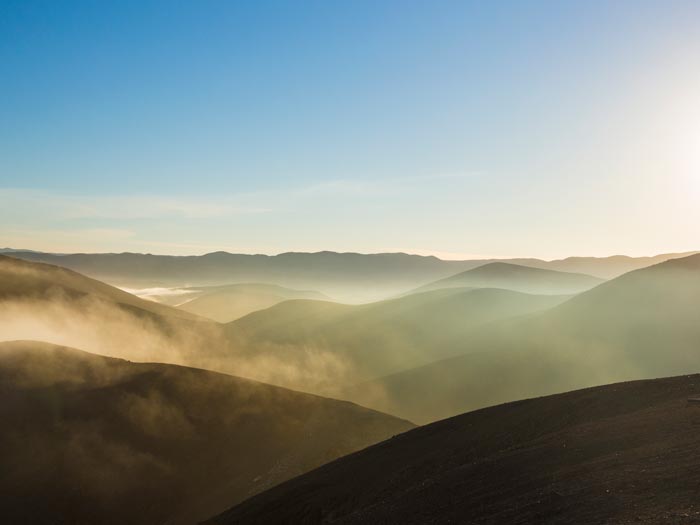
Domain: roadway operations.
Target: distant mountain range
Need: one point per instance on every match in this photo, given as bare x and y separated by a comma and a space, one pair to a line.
344, 276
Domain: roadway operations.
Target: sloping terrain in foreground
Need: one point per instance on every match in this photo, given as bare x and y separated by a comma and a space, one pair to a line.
87, 439
617, 454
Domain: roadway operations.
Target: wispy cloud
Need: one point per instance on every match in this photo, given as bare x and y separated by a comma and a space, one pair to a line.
123, 207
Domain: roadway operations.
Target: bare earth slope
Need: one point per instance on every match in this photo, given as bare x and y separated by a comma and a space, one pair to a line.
619, 454
87, 439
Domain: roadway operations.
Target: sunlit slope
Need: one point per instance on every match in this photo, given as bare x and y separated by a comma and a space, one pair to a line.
518, 278
335, 344
89, 439
230, 302
623, 453
41, 301
643, 324
21, 279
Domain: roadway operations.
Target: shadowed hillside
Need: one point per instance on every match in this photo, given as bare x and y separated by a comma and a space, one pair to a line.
518, 278
328, 344
623, 453
643, 324
87, 439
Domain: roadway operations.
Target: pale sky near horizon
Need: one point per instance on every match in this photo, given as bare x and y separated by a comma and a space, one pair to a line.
455, 128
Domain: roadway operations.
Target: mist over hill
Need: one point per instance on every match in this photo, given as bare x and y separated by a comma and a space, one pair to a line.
321, 345
89, 439
518, 278
643, 324
230, 302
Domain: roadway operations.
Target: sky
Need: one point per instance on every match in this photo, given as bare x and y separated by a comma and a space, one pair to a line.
455, 128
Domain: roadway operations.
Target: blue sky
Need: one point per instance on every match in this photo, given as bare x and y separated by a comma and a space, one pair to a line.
456, 128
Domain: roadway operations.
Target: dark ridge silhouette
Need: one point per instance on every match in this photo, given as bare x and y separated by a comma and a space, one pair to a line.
622, 453
87, 439
518, 278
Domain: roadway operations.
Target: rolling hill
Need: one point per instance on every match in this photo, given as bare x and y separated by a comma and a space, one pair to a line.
518, 278
230, 302
643, 324
329, 344
623, 453
90, 439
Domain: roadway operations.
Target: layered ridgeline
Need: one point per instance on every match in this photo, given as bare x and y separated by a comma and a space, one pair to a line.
623, 453
50, 303
227, 303
519, 278
319, 346
643, 324
344, 276
90, 439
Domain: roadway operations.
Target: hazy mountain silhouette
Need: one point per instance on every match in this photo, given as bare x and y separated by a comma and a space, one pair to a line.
623, 453
330, 344
345, 276
519, 278
89, 439
230, 302
643, 324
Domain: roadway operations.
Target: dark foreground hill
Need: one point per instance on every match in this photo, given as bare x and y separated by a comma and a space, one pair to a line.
87, 439
618, 454
518, 278
644, 324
